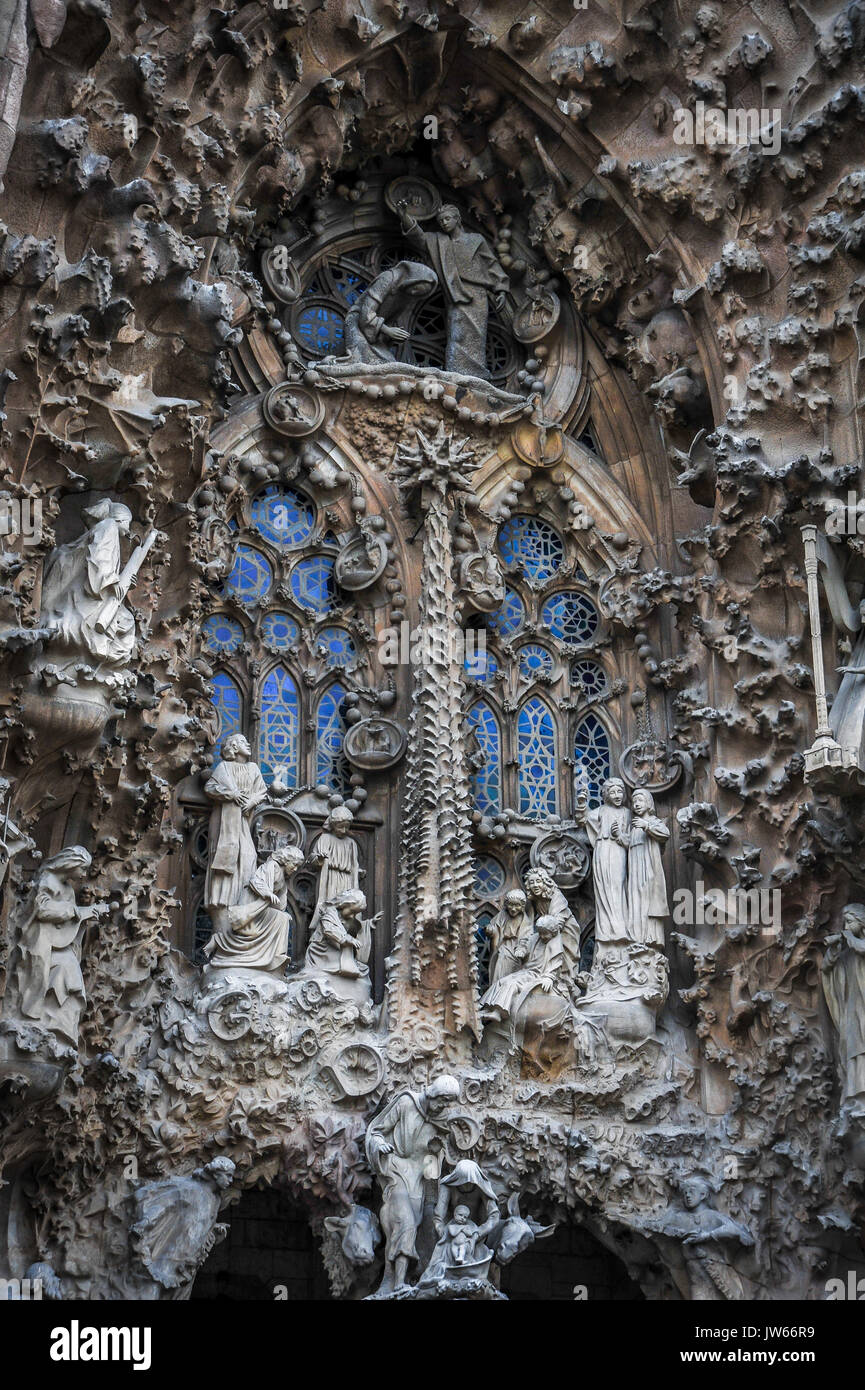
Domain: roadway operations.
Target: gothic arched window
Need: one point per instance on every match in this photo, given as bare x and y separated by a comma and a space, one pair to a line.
331, 766
487, 777
279, 723
228, 704
536, 745
591, 756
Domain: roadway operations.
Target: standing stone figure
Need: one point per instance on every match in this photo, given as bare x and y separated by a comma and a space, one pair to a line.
23, 25
509, 933
404, 1148
468, 273
84, 587
49, 982
608, 827
647, 884
259, 928
843, 976
368, 335
847, 716
335, 852
236, 788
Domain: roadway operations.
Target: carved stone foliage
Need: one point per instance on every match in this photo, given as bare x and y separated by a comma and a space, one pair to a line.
431, 612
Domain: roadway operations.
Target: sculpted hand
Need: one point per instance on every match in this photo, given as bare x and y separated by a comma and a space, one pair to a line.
499, 300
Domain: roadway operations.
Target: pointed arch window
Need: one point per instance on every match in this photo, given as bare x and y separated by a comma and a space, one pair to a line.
279, 737
536, 745
331, 765
228, 704
591, 757
487, 776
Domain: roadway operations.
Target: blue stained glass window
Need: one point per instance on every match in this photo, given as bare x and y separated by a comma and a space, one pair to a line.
221, 634
510, 617
279, 727
349, 284
331, 765
589, 677
532, 545
487, 777
251, 575
535, 661
536, 742
282, 516
279, 631
570, 616
592, 757
336, 646
480, 665
228, 706
489, 876
312, 583
320, 329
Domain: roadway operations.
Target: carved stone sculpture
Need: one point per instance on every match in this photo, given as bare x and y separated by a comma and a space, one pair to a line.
509, 932
843, 977
608, 826
175, 1226
236, 789
335, 855
257, 937
647, 885
340, 944
368, 332
404, 1148
469, 274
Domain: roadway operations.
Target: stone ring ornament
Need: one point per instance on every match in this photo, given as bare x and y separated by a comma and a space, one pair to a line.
463, 1134
423, 200
563, 856
361, 563
649, 764
230, 1016
280, 275
425, 1038
537, 316
293, 410
540, 446
374, 743
358, 1068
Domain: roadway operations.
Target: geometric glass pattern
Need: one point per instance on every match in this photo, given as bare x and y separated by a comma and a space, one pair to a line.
251, 575
279, 724
331, 766
487, 778
481, 666
226, 702
536, 744
570, 616
534, 661
589, 677
320, 328
312, 583
489, 876
531, 544
336, 646
279, 631
592, 757
510, 617
220, 634
283, 516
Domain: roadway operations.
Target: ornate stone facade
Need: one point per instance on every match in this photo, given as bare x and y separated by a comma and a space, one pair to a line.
423, 791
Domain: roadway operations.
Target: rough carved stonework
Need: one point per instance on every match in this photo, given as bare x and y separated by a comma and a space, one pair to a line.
433, 719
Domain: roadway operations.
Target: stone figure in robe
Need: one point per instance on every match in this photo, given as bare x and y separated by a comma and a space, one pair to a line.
335, 854
548, 900
50, 986
340, 945
647, 884
369, 336
509, 933
175, 1225
847, 715
259, 928
83, 590
545, 969
404, 1147
469, 274
608, 827
235, 788
843, 977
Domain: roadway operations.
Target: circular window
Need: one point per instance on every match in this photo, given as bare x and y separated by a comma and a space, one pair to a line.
570, 616
510, 617
489, 876
336, 646
251, 576
221, 634
589, 677
319, 328
282, 516
312, 583
535, 661
530, 544
279, 631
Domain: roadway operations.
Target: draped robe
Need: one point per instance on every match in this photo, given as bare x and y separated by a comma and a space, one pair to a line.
232, 850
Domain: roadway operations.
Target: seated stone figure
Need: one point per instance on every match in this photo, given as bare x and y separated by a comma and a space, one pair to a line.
340, 945
258, 932
545, 970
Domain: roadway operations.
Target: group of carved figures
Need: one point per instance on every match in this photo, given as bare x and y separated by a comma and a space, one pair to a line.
247, 901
